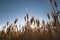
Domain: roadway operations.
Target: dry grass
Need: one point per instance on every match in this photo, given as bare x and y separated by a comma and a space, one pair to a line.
49, 31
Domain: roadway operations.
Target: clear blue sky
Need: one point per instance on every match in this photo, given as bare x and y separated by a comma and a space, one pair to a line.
10, 9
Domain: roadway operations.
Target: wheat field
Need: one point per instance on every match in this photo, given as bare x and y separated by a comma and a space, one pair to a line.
32, 29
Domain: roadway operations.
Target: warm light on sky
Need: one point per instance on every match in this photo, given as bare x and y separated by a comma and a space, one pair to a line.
10, 9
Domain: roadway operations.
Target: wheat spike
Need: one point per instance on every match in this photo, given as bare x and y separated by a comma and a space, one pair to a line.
27, 16
15, 20
50, 1
48, 16
32, 19
55, 3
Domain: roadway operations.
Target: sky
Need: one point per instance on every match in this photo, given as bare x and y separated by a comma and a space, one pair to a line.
10, 9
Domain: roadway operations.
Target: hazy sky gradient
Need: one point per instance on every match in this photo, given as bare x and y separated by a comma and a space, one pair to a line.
10, 9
